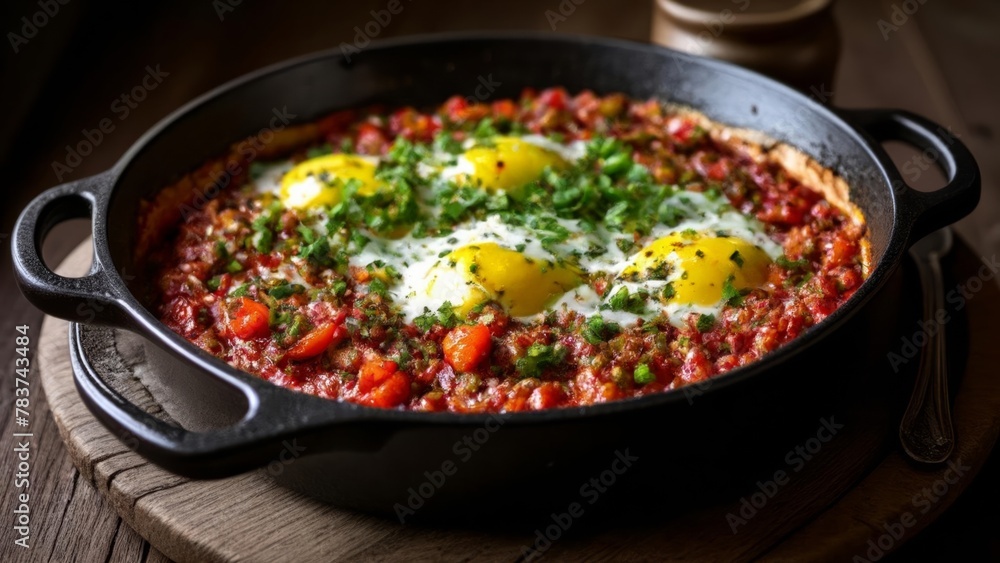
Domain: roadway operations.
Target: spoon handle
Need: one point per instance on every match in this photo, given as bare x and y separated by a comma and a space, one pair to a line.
926, 431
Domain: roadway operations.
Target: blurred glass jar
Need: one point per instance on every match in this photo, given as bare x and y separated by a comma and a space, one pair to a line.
794, 41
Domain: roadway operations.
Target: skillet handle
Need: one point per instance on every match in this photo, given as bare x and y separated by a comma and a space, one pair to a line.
93, 298
261, 438
926, 211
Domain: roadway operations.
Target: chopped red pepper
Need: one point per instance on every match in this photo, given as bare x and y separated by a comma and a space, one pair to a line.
250, 319
317, 342
466, 346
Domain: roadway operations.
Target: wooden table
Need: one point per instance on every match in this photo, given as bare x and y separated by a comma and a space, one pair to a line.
940, 63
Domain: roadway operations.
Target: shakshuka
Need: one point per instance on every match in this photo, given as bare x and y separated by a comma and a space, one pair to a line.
554, 250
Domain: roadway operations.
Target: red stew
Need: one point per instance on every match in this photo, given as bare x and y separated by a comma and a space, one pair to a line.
332, 331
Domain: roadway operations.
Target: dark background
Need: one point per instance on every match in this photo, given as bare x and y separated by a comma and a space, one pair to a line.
943, 63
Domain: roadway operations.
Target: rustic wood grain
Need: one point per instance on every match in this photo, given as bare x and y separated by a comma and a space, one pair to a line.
832, 508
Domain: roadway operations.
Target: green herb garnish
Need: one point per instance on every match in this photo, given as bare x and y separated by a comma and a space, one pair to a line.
642, 374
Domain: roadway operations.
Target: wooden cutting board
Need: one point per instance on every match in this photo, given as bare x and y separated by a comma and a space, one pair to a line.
858, 496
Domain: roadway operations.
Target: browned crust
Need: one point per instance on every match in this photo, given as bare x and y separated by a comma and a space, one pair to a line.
800, 166
159, 215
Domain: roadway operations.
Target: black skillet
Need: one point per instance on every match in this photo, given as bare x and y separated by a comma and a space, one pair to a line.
686, 440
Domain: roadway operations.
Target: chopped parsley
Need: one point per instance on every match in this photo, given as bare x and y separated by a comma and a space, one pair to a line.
705, 323
213, 283
622, 300
540, 357
668, 291
597, 330
784, 262
445, 316
643, 375
378, 287
731, 295
285, 289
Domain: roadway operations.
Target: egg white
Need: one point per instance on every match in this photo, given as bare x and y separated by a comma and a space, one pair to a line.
427, 281
703, 215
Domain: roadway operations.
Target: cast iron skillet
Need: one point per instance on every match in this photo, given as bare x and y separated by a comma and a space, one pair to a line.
379, 459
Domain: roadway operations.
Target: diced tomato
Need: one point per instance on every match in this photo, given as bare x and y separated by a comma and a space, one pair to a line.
250, 319
370, 140
515, 404
546, 396
586, 106
696, 366
454, 108
783, 212
433, 402
466, 346
392, 392
317, 342
727, 362
374, 372
384, 385
718, 171
181, 316
504, 109
609, 392
681, 130
555, 98
841, 253
413, 125
849, 279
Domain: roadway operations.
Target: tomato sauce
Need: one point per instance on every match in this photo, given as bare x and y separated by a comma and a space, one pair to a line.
334, 341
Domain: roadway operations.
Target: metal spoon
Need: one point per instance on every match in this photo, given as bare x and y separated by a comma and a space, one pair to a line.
926, 431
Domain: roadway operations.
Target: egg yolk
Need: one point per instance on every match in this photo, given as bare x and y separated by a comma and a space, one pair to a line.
510, 163
320, 181
522, 285
699, 266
